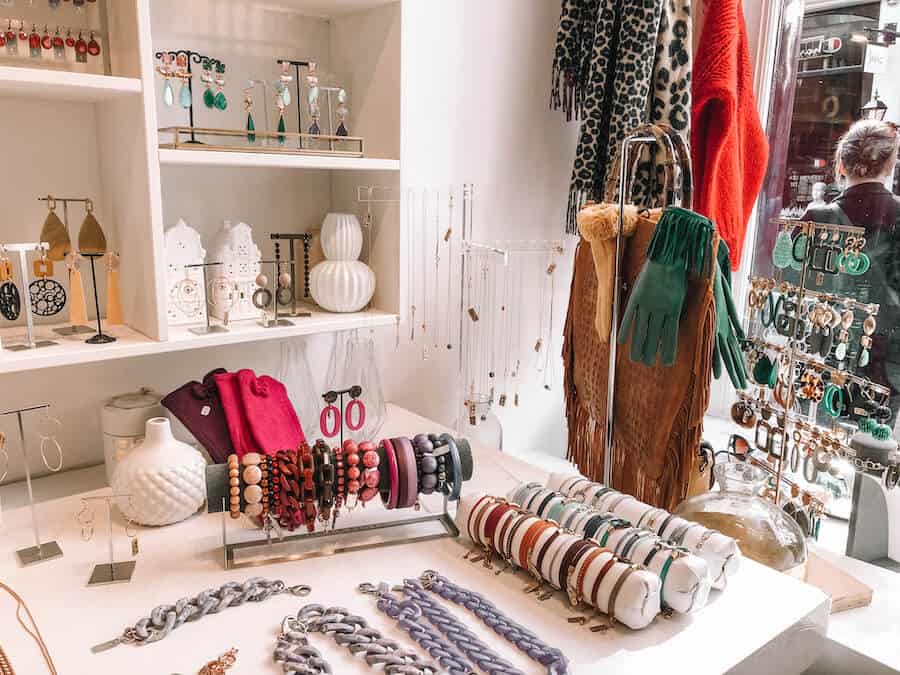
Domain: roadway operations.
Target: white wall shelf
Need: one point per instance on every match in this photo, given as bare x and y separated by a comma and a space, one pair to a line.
275, 160
39, 83
130, 343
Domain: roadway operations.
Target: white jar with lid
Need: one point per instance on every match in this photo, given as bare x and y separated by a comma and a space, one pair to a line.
123, 419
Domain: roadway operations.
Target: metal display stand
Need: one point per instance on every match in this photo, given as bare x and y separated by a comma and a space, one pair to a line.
40, 552
100, 338
297, 66
112, 572
73, 329
209, 327
276, 321
306, 238
194, 57
23, 250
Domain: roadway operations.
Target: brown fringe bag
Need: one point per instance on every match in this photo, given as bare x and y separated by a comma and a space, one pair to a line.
658, 410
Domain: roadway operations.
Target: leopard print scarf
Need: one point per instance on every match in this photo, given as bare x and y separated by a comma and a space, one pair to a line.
604, 71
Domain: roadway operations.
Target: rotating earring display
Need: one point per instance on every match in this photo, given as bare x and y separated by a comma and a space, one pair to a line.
112, 572
48, 428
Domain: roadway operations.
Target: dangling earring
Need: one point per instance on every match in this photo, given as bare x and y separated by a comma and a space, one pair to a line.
283, 98
59, 46
77, 300
284, 295
114, 314
34, 43
166, 71
282, 128
12, 41
90, 237
342, 112
865, 341
220, 101
206, 77
48, 428
184, 94
5, 455
81, 49
47, 296
130, 532
332, 411
85, 518
93, 47
312, 80
54, 234
10, 300
248, 107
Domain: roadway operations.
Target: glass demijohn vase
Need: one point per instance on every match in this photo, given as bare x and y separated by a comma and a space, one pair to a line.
764, 532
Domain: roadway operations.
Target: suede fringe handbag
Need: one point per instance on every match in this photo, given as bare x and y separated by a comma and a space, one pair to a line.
658, 410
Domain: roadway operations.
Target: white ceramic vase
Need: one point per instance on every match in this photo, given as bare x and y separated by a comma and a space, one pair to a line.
342, 237
342, 285
165, 478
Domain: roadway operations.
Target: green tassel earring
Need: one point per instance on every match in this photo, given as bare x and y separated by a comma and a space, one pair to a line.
248, 106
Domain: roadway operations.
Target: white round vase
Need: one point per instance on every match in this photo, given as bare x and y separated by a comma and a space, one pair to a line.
165, 478
342, 285
342, 237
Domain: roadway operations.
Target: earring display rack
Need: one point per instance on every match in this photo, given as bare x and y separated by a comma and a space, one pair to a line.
73, 329
70, 32
112, 572
41, 551
190, 57
23, 250
209, 327
178, 142
276, 320
100, 338
297, 65
836, 439
306, 238
330, 397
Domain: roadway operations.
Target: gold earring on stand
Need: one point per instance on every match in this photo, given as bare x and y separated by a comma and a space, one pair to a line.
54, 233
90, 237
48, 428
114, 314
85, 518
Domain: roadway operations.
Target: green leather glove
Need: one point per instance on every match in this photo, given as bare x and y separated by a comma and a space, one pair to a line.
655, 310
727, 347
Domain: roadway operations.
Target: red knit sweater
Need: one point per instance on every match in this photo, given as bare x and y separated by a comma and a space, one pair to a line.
729, 148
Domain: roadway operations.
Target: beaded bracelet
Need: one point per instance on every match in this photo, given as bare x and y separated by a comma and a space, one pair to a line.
371, 474
427, 463
234, 487
308, 487
252, 476
353, 473
340, 485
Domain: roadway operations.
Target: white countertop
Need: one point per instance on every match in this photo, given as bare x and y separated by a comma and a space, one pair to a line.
763, 621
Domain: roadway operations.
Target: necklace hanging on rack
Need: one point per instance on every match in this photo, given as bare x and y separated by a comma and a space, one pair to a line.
505, 312
448, 239
423, 261
437, 266
539, 344
411, 270
516, 371
548, 366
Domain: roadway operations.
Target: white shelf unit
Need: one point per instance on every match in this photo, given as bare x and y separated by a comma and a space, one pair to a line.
85, 134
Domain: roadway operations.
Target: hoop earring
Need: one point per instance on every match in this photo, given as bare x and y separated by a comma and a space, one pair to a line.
348, 417
5, 456
52, 426
85, 517
330, 409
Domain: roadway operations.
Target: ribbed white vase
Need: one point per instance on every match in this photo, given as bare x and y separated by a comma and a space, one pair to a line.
165, 478
342, 237
342, 285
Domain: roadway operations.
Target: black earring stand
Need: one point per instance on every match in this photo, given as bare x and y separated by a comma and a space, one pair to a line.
100, 338
297, 66
306, 238
331, 396
197, 58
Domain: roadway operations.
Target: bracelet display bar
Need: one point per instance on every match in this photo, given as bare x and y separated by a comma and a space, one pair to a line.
265, 550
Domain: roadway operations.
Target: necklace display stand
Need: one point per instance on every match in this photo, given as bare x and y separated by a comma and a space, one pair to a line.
73, 329
112, 572
209, 327
40, 552
100, 338
30, 342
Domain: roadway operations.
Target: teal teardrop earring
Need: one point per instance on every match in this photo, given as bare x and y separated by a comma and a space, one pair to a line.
166, 71
221, 102
248, 106
206, 77
181, 72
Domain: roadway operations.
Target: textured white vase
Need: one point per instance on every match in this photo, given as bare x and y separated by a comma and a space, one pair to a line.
342, 285
165, 478
342, 237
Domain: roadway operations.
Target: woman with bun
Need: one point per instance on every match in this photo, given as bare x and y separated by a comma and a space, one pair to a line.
866, 156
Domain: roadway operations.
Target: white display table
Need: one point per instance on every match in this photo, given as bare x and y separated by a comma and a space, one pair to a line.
763, 622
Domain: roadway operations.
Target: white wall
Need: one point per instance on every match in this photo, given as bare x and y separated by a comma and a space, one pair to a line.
474, 109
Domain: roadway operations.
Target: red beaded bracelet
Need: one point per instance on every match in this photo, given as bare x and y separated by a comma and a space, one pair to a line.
371, 475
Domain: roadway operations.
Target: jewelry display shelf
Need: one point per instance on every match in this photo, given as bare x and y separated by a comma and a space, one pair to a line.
194, 157
130, 343
39, 83
782, 620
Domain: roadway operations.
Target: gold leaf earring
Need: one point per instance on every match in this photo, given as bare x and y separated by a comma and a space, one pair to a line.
54, 233
90, 237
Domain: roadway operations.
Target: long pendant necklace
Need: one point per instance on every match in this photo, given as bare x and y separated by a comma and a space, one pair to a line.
505, 332
448, 238
548, 365
517, 371
422, 260
411, 280
539, 343
437, 267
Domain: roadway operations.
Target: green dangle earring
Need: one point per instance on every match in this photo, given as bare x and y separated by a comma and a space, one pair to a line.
221, 102
248, 107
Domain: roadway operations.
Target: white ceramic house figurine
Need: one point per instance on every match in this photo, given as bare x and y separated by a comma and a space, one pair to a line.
342, 283
186, 297
235, 248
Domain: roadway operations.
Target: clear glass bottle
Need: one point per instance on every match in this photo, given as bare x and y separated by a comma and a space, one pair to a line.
764, 532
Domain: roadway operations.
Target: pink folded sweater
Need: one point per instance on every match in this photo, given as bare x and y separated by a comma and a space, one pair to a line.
271, 418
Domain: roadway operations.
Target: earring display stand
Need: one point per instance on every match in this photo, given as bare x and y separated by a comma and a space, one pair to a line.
100, 338
209, 327
68, 331
112, 572
306, 238
190, 57
297, 65
277, 320
40, 552
331, 396
23, 250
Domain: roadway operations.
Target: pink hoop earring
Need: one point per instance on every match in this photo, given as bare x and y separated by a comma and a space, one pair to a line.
323, 421
361, 420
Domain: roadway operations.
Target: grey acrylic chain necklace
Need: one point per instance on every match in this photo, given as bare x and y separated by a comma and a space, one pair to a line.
296, 656
166, 618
